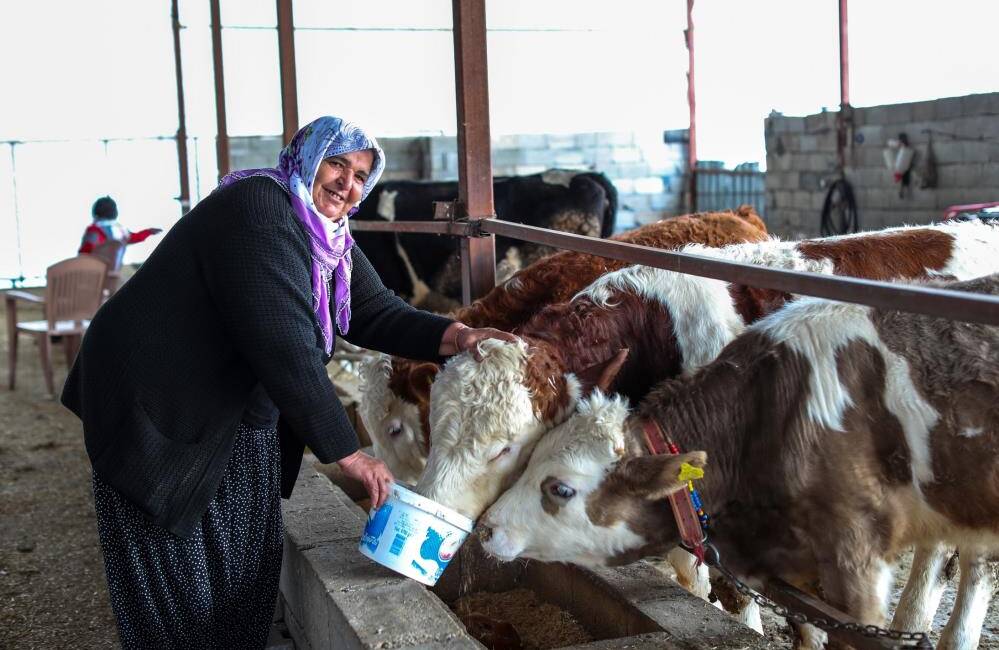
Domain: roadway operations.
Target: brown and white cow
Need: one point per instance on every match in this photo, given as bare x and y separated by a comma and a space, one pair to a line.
491, 413
838, 435
396, 392
486, 416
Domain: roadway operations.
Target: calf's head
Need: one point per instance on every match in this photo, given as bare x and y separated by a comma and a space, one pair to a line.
588, 496
394, 408
486, 416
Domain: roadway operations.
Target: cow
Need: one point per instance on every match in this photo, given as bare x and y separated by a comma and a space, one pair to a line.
672, 323
838, 435
395, 392
485, 417
421, 268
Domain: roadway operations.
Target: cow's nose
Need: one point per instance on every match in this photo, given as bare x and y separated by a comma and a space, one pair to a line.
484, 531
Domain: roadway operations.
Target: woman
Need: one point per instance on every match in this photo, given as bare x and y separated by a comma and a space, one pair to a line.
200, 382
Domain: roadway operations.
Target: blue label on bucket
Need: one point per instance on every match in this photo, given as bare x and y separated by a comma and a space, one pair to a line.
438, 549
416, 565
403, 528
375, 527
430, 548
414, 542
398, 542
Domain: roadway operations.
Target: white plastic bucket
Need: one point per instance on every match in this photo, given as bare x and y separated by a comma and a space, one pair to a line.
413, 535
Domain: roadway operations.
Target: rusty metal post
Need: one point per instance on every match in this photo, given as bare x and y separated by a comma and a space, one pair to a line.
475, 172
845, 110
185, 182
692, 107
222, 138
289, 80
844, 56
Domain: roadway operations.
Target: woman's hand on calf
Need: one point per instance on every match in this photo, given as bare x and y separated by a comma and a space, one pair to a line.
460, 338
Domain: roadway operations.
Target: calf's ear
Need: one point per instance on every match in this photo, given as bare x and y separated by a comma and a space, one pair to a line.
601, 375
420, 378
655, 477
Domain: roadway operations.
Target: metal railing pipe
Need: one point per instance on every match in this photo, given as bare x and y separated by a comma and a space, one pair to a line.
931, 301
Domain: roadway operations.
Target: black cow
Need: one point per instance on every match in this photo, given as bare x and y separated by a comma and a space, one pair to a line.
579, 202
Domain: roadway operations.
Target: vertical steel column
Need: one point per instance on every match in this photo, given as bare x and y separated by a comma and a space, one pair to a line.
692, 107
222, 138
475, 172
17, 215
845, 112
289, 78
844, 56
185, 182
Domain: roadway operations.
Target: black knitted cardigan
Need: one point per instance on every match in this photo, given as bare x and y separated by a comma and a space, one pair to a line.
222, 308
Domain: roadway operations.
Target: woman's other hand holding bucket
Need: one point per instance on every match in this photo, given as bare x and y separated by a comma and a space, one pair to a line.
370, 471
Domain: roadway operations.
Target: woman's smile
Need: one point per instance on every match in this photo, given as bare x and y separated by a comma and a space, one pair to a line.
339, 182
335, 197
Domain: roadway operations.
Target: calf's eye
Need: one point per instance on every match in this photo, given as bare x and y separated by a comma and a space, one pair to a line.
503, 452
561, 490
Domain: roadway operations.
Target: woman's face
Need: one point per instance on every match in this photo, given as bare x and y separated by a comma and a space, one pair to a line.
340, 181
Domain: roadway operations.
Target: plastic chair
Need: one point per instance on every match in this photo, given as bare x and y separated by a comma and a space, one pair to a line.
74, 290
112, 252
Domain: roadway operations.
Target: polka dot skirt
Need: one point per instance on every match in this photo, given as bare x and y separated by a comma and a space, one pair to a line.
215, 589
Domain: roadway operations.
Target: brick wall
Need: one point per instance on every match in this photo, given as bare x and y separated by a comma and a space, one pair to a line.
407, 157
647, 173
801, 157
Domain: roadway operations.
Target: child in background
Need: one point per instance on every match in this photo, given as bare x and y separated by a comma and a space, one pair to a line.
106, 227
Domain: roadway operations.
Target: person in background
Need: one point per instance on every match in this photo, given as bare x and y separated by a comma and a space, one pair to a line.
201, 383
107, 228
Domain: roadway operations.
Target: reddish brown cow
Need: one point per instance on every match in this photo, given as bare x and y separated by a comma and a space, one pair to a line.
396, 391
559, 277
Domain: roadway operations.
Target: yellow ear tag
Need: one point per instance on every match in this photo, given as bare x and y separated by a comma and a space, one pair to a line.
689, 473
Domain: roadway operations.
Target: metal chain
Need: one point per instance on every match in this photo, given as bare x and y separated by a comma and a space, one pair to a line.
917, 639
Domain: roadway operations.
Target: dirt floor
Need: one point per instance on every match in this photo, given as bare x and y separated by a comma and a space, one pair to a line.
52, 589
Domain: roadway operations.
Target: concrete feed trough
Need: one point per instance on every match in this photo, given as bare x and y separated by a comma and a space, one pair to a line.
335, 597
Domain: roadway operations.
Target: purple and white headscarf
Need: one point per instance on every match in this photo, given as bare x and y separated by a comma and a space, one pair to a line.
295, 173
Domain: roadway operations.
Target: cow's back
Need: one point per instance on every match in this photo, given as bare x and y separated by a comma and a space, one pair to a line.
578, 202
559, 277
